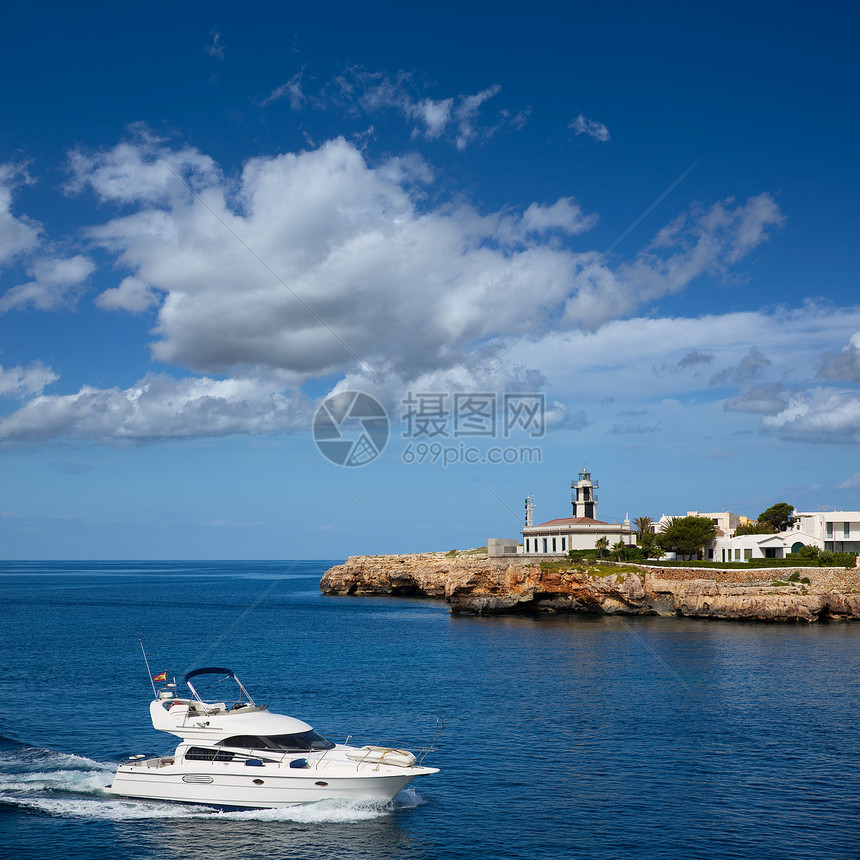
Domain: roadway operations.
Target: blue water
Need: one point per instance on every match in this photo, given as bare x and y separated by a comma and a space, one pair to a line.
565, 737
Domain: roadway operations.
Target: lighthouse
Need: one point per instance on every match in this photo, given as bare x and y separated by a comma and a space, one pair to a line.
583, 498
582, 531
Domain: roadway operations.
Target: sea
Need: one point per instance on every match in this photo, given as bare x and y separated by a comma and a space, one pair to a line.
565, 736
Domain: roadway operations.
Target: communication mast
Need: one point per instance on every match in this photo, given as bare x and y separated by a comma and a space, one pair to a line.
530, 509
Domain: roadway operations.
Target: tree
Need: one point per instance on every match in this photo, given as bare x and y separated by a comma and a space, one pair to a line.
754, 528
601, 545
644, 524
687, 535
618, 547
645, 536
779, 516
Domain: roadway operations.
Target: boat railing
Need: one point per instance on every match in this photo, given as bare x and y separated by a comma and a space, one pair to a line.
430, 746
420, 752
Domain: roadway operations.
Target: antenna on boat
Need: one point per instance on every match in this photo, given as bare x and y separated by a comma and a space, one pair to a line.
148, 671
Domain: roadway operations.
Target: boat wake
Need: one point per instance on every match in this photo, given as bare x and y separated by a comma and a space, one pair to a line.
60, 784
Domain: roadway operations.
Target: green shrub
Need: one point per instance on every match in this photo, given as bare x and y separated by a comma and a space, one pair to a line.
725, 565
582, 554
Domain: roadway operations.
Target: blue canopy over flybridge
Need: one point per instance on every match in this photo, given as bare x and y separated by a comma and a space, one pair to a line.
211, 670
214, 670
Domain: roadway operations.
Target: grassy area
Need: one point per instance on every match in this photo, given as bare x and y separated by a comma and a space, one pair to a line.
610, 569
480, 550
600, 570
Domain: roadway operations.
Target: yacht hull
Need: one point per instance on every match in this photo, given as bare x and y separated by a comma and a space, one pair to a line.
256, 788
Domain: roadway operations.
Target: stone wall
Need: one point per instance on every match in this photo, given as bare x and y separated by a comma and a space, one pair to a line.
826, 578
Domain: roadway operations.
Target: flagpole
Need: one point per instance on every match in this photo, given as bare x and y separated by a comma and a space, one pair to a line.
148, 670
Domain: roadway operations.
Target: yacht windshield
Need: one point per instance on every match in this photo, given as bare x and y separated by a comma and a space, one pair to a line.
301, 742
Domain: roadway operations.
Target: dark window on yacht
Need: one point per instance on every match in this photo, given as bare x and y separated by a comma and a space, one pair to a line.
301, 742
247, 741
304, 741
201, 754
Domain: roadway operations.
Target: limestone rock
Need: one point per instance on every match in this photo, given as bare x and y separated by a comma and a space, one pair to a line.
473, 583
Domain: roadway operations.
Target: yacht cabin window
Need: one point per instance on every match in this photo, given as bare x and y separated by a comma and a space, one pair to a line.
202, 754
300, 742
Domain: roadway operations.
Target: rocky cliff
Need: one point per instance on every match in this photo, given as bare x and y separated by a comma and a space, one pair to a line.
472, 583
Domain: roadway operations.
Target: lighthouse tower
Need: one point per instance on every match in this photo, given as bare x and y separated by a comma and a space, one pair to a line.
583, 498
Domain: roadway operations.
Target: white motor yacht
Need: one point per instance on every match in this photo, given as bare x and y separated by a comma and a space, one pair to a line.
238, 755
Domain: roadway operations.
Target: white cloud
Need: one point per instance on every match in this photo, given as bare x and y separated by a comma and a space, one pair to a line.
466, 114
17, 234
308, 260
141, 171
594, 129
565, 214
612, 359
705, 242
132, 295
844, 365
694, 358
435, 114
852, 483
759, 399
216, 49
578, 369
380, 274
21, 381
749, 366
56, 280
748, 223
291, 90
159, 408
53, 286
351, 260
821, 415
358, 90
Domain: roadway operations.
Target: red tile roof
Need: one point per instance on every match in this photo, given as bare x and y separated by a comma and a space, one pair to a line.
578, 521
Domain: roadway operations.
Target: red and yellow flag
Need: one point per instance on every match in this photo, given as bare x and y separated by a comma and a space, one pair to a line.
160, 677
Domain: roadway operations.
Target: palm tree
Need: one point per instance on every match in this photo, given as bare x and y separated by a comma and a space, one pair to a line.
618, 547
601, 545
645, 534
643, 525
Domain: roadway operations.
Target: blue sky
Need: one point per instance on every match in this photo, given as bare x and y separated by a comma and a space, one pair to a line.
212, 217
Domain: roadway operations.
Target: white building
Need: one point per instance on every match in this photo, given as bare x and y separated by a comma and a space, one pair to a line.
725, 521
581, 531
746, 547
837, 531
